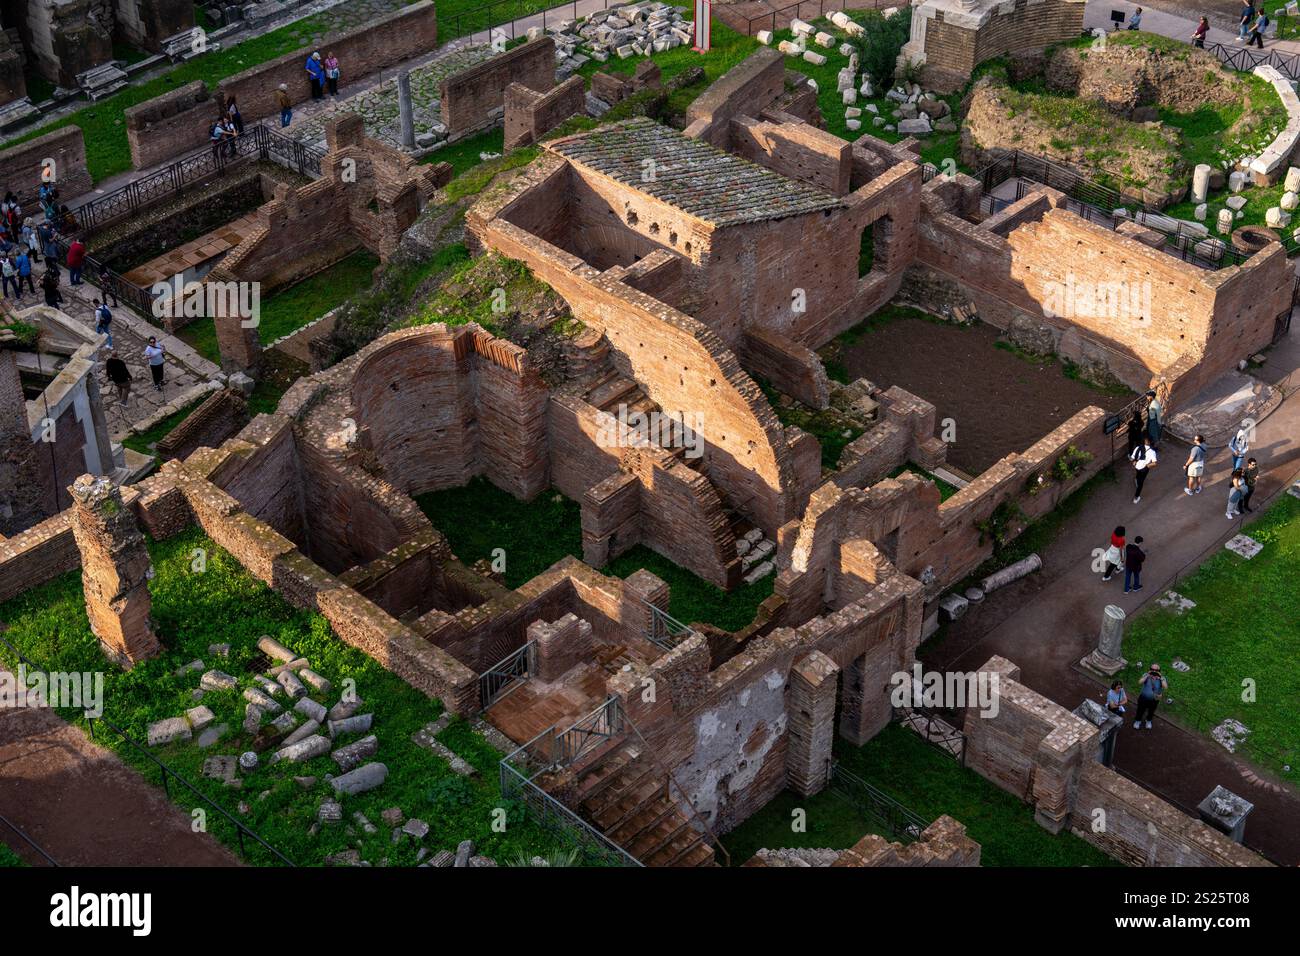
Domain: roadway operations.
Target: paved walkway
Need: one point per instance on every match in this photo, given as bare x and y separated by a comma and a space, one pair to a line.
83, 806
1181, 27
1048, 621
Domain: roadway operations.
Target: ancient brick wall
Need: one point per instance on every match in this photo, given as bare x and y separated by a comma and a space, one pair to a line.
747, 88
66, 38
13, 80
954, 47
219, 417
470, 96
1163, 307
943, 843
383, 42
171, 124
796, 150
39, 554
530, 114
21, 166
1042, 753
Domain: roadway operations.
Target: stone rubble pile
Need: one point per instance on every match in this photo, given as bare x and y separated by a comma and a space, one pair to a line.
635, 29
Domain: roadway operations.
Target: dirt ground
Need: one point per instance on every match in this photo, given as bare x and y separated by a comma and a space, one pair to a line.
1000, 403
83, 806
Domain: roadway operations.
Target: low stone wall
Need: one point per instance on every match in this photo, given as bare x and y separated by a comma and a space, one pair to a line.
220, 416
22, 166
749, 87
530, 114
1270, 166
943, 843
1045, 755
472, 97
39, 554
171, 124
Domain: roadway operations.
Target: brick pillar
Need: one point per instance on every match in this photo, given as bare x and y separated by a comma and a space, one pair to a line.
115, 569
559, 646
237, 337
813, 684
856, 721
642, 588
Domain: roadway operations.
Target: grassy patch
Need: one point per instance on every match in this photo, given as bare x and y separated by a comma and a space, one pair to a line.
145, 441
1243, 629
8, 858
536, 534
224, 604
289, 309
830, 426
946, 490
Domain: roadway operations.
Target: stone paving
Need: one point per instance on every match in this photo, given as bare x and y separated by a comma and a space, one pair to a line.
129, 338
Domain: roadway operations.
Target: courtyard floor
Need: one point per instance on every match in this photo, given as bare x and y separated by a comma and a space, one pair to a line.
999, 401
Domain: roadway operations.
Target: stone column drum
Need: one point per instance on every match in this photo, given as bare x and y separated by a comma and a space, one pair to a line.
115, 571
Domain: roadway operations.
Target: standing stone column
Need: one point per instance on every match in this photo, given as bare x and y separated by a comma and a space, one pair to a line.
1201, 183
1108, 658
813, 683
115, 570
405, 109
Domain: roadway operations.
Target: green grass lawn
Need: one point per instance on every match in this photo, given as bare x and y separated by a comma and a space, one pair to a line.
536, 534
1243, 635
928, 782
289, 309
946, 490
9, 858
224, 604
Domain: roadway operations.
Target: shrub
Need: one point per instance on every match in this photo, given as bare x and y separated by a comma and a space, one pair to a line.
878, 48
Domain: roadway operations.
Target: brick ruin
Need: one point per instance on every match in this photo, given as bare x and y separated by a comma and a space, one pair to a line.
734, 259
951, 37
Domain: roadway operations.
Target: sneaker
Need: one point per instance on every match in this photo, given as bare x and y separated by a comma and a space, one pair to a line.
1229, 515
1138, 588
1198, 490
1105, 577
1126, 590
1187, 491
1137, 499
1148, 725
1137, 724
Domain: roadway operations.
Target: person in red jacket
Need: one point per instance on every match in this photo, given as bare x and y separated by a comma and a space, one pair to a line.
1114, 556
76, 261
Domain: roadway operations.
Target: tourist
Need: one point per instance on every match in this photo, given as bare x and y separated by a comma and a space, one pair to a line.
1250, 474
1247, 18
66, 222
229, 136
1133, 558
1257, 30
1236, 491
51, 246
1152, 687
76, 261
316, 74
1116, 698
154, 353
1238, 446
50, 286
10, 211
1134, 432
332, 73
1195, 467
1202, 28
236, 117
1135, 21
217, 137
1154, 420
1144, 459
120, 376
1114, 556
107, 284
10, 276
104, 321
24, 263
286, 105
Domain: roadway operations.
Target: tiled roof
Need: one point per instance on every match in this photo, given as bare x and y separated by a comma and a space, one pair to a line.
697, 178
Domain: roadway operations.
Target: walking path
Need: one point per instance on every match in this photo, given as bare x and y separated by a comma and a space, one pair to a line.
1097, 14
85, 807
1048, 621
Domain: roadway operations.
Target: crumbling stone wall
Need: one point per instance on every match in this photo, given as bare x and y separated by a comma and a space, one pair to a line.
39, 554
21, 166
472, 98
147, 23
749, 87
221, 415
1045, 755
13, 78
943, 843
530, 114
64, 37
170, 124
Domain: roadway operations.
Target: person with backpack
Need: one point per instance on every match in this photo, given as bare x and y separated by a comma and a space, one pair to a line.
1195, 466
50, 286
1144, 458
217, 137
1133, 558
1155, 419
23, 261
1250, 475
10, 277
1152, 687
107, 284
104, 322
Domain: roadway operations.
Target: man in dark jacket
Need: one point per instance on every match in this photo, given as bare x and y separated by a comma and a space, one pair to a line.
1133, 558
120, 376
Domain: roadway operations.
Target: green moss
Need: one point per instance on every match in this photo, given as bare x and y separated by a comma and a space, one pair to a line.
831, 427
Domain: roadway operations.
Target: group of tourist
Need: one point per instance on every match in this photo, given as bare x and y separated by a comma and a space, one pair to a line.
1151, 688
322, 73
225, 132
1251, 27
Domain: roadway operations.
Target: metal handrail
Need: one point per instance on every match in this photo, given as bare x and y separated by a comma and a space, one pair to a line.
165, 770
28, 840
498, 681
575, 742
877, 802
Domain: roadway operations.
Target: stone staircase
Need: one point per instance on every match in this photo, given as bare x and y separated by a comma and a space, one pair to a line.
611, 391
625, 795
757, 553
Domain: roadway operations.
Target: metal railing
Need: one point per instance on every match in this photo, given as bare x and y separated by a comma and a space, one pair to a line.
588, 734
258, 143
939, 727
167, 773
518, 772
780, 17
28, 840
507, 675
113, 284
1244, 59
904, 824
665, 630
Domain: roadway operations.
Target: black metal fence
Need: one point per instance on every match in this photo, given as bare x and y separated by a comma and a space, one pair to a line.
167, 774
10, 825
903, 824
1245, 59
